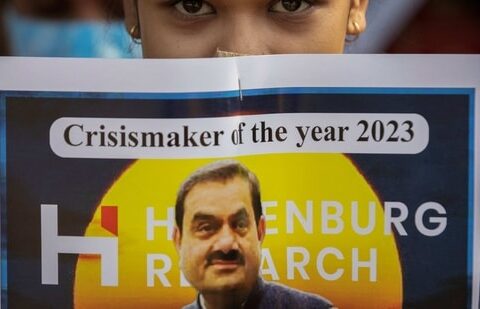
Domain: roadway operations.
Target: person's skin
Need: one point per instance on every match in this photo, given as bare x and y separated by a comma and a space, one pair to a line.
220, 243
196, 28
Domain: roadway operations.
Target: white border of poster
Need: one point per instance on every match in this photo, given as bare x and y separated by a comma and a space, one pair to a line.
257, 72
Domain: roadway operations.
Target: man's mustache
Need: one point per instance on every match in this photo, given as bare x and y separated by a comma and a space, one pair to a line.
230, 256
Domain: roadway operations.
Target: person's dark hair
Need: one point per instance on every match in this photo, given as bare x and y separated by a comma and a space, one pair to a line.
220, 171
114, 8
3, 35
62, 9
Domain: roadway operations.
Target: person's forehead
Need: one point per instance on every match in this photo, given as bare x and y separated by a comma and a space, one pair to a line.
220, 196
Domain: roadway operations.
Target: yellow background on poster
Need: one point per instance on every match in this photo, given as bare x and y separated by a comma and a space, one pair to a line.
298, 179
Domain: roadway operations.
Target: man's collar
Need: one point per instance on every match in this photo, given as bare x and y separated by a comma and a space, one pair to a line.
200, 301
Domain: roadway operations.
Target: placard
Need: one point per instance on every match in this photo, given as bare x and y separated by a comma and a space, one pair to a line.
369, 187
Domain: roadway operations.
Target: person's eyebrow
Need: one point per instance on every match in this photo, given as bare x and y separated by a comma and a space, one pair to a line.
240, 214
201, 216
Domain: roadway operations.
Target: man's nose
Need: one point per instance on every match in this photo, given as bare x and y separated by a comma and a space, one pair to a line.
242, 35
226, 240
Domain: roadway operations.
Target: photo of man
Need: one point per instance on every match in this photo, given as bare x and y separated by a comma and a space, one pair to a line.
219, 231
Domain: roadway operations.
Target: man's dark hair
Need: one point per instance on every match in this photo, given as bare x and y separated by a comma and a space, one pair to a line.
220, 171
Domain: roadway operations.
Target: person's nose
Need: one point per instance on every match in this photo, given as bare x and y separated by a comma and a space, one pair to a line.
242, 35
226, 240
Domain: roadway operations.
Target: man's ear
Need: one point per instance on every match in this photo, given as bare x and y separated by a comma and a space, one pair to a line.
177, 238
261, 228
131, 18
357, 19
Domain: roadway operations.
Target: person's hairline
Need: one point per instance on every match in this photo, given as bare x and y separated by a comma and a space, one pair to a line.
222, 181
212, 173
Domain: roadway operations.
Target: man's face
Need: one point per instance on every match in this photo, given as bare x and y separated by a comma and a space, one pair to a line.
196, 28
219, 245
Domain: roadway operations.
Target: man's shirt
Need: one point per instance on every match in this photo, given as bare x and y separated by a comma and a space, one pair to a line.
268, 295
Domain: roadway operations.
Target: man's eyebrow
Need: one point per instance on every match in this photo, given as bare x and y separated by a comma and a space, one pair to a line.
200, 216
240, 214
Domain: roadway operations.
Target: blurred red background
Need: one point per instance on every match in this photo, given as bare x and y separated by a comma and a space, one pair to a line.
442, 26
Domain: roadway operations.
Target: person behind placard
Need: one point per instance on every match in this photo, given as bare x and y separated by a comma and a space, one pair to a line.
197, 28
218, 235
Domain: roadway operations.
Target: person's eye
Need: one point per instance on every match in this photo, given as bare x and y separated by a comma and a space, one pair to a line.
241, 224
194, 7
290, 6
205, 228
